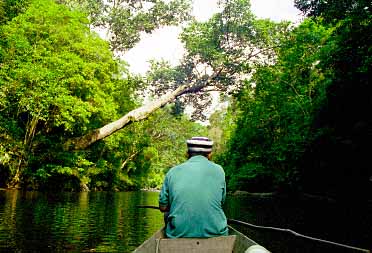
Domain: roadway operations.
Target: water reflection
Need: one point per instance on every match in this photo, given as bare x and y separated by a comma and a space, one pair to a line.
75, 222
111, 222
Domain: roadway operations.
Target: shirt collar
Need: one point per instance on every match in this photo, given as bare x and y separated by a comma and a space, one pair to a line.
198, 158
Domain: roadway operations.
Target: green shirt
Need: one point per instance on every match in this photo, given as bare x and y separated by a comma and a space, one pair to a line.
195, 191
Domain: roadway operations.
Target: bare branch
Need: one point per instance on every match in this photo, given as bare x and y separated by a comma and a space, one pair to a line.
135, 115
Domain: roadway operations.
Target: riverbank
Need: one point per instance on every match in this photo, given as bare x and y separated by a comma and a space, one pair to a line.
254, 194
301, 196
297, 196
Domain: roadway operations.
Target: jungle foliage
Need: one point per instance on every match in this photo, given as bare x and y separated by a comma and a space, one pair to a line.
57, 80
299, 96
304, 121
343, 148
276, 110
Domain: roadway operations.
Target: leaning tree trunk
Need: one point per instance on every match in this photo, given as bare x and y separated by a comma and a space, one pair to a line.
135, 115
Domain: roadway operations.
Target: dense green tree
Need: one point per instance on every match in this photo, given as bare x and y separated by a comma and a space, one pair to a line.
12, 8
276, 111
225, 49
222, 126
57, 79
306, 118
333, 10
341, 154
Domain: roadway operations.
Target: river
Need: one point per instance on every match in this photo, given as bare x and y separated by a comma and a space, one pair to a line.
111, 222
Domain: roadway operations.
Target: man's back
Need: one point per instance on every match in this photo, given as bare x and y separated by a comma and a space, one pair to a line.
195, 191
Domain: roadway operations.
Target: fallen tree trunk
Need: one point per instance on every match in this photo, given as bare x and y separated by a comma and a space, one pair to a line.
135, 115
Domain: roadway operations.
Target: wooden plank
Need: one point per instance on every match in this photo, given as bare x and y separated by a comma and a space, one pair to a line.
221, 244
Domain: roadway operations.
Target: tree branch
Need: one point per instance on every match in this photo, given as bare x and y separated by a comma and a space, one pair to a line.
129, 158
135, 115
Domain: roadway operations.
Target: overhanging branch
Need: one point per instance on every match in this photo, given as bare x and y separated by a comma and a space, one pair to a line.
135, 115
132, 116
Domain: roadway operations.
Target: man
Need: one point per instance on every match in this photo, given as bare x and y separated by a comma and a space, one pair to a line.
193, 193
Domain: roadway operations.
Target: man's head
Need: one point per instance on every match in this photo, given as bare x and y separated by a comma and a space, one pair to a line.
199, 146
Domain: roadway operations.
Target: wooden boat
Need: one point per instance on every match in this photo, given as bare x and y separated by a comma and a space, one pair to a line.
236, 242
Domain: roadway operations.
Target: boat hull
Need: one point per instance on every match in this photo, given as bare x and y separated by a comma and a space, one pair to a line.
236, 242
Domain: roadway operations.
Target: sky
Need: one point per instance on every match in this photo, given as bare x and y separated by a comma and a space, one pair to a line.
164, 43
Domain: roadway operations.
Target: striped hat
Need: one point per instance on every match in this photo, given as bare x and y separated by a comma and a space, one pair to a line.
199, 145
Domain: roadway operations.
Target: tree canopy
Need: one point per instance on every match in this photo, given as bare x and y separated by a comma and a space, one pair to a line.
124, 20
72, 116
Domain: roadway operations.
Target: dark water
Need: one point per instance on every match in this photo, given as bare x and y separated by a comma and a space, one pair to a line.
345, 223
111, 222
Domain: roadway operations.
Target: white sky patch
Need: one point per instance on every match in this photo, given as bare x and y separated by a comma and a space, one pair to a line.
277, 10
161, 44
204, 9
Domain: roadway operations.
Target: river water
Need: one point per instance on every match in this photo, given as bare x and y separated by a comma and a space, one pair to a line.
111, 222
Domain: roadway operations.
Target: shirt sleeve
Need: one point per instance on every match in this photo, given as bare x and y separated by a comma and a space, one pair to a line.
164, 193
